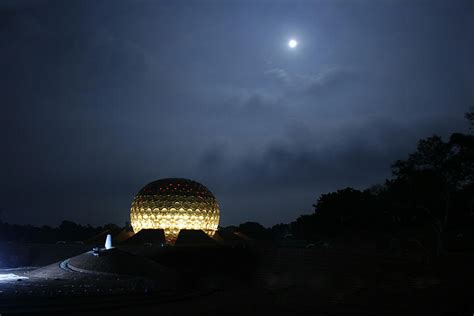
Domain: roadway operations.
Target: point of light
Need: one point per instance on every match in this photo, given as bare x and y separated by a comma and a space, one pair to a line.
292, 43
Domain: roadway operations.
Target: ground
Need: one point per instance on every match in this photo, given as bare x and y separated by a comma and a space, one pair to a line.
295, 281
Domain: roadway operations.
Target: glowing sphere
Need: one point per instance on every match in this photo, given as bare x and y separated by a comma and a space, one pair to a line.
173, 204
292, 43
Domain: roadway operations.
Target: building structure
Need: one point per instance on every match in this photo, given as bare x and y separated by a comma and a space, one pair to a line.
173, 204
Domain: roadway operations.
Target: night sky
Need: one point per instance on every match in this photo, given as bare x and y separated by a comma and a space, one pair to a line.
99, 98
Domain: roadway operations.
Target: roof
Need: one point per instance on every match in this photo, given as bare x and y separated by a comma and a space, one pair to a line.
152, 236
193, 237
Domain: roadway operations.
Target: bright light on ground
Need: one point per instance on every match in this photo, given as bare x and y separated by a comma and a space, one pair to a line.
292, 43
11, 277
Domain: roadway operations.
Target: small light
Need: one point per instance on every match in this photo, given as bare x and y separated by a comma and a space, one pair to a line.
11, 277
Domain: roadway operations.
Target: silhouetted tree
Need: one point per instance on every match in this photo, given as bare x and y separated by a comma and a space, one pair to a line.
433, 186
307, 227
280, 231
433, 178
254, 230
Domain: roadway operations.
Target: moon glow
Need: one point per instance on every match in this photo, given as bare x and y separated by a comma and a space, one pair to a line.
292, 43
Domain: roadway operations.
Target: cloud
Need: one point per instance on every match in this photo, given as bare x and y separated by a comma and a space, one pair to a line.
214, 158
279, 74
286, 174
327, 77
352, 154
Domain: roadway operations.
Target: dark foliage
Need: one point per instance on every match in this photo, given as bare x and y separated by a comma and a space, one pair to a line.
254, 230
68, 231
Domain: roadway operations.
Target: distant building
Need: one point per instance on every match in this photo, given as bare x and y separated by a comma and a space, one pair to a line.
174, 204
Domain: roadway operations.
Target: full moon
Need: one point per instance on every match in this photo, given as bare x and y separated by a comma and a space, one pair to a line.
292, 43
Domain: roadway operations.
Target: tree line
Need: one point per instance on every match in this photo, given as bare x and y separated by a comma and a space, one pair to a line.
67, 231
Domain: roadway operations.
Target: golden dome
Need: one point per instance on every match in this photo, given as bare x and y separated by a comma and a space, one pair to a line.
173, 204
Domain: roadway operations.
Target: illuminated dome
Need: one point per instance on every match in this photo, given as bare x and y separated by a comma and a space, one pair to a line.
173, 204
